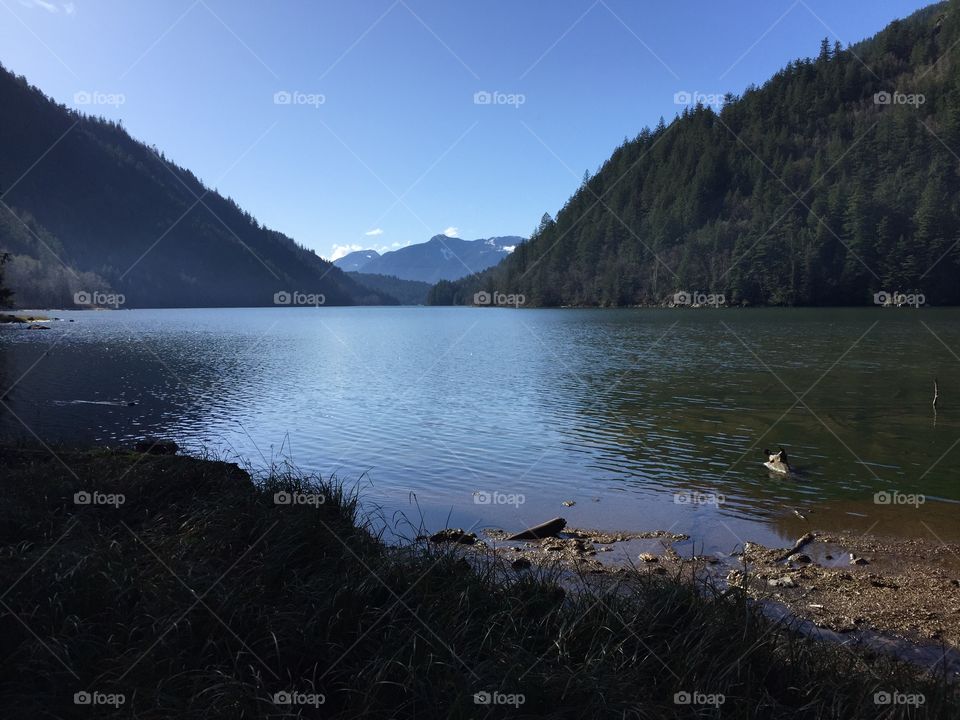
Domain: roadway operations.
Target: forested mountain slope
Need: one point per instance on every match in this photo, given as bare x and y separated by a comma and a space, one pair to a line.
836, 179
86, 208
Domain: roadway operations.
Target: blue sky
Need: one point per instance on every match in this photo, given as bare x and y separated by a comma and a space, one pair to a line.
383, 142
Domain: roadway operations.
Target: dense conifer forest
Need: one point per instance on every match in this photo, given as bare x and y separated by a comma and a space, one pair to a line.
835, 180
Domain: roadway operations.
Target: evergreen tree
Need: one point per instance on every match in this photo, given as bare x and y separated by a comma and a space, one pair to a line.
6, 295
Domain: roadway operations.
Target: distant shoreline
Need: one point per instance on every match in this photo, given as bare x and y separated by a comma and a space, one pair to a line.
16, 314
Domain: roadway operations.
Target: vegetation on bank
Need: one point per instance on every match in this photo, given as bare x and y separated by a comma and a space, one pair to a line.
157, 587
835, 180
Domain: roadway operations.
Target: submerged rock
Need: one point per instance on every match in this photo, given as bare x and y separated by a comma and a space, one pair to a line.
456, 535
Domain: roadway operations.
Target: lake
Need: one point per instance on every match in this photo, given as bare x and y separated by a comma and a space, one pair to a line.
477, 417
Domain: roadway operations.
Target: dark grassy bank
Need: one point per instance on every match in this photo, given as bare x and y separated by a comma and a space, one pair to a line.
200, 597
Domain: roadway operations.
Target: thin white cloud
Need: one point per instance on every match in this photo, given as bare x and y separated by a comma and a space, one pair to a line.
452, 231
42, 4
340, 250
69, 8
374, 232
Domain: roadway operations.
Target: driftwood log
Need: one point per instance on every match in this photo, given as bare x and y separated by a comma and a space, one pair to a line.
543, 530
801, 541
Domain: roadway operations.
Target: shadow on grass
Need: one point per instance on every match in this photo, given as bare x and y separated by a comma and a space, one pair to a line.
138, 586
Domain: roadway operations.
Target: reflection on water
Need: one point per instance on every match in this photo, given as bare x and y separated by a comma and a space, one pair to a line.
617, 411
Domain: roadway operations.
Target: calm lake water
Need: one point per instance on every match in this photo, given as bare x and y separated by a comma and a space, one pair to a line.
641, 417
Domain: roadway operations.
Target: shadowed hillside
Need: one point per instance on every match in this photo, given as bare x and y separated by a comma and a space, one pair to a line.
99, 211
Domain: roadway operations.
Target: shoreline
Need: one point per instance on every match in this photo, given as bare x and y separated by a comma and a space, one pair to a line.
10, 314
189, 588
894, 594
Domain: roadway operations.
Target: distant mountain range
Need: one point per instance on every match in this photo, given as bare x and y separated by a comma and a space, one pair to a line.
88, 212
440, 258
355, 261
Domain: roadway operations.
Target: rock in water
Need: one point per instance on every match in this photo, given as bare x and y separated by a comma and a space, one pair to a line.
457, 535
543, 530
